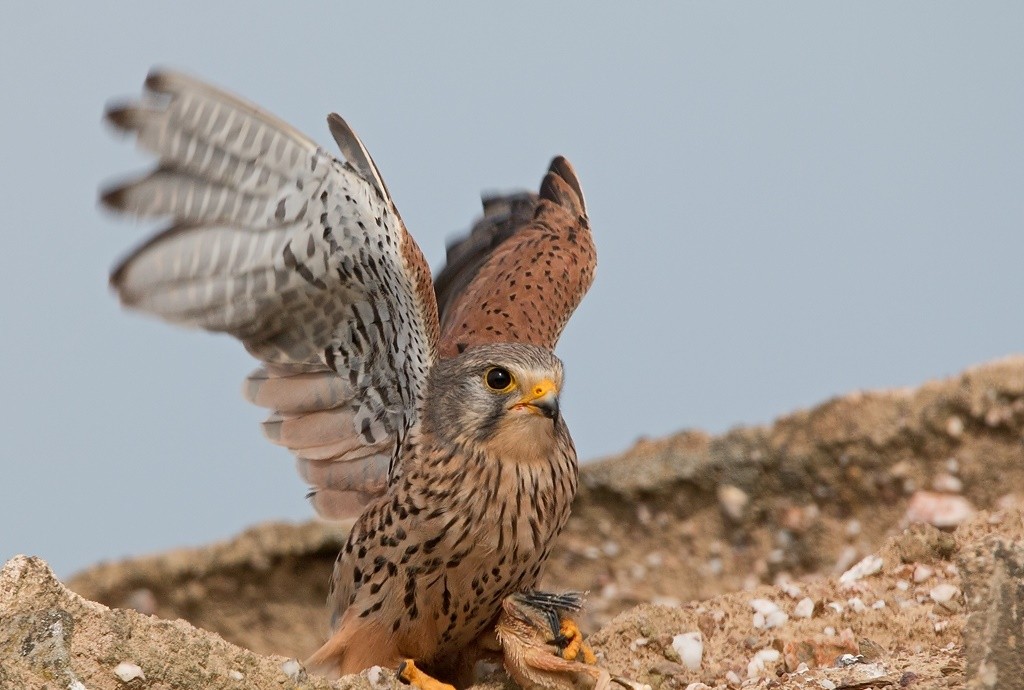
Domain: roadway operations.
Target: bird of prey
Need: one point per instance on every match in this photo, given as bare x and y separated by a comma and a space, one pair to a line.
441, 432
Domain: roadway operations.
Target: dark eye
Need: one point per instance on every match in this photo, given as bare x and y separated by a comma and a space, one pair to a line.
498, 379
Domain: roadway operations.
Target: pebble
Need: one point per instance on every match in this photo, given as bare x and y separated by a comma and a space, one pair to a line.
955, 427
879, 605
857, 605
293, 669
922, 572
767, 614
947, 484
128, 672
869, 565
938, 510
611, 549
827, 684
733, 679
763, 663
733, 501
237, 675
804, 608
698, 686
690, 648
943, 593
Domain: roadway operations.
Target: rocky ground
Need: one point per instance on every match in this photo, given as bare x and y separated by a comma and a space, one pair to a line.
875, 541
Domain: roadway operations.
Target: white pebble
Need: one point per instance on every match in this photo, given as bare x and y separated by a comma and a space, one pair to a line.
775, 619
947, 484
638, 643
733, 679
698, 686
128, 672
938, 510
733, 501
902, 585
611, 549
690, 648
763, 663
955, 427
941, 594
373, 675
856, 605
869, 565
764, 606
827, 684
853, 528
292, 669
835, 606
878, 605
922, 572
804, 608
235, 675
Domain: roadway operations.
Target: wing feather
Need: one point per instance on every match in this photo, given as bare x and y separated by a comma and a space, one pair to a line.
299, 255
523, 269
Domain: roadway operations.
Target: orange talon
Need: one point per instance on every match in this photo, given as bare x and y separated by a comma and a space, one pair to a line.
573, 645
409, 674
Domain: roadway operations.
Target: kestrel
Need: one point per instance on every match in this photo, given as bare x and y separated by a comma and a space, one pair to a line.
443, 435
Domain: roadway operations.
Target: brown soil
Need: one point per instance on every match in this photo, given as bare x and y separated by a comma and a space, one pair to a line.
681, 535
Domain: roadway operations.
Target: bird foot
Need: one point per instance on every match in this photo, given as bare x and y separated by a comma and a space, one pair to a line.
571, 645
410, 675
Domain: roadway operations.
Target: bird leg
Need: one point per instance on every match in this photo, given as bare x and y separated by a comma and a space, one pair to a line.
410, 675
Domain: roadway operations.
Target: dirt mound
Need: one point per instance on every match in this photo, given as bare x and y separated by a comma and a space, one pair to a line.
771, 515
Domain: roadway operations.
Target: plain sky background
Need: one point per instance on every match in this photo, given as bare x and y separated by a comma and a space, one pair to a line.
790, 202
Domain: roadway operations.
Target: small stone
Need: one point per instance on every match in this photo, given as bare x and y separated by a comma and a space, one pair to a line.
827, 684
902, 585
938, 510
856, 605
293, 669
237, 675
763, 663
955, 427
733, 501
869, 565
947, 484
943, 593
610, 549
853, 527
804, 608
128, 672
698, 686
922, 572
690, 648
733, 679
878, 605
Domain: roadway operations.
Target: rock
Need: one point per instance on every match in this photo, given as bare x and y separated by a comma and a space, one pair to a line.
993, 582
51, 637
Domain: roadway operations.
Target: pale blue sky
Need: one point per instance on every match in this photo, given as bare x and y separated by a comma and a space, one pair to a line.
790, 202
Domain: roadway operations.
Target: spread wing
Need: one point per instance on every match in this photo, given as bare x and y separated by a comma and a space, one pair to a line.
299, 255
523, 269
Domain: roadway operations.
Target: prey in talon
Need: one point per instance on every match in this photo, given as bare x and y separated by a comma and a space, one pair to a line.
543, 648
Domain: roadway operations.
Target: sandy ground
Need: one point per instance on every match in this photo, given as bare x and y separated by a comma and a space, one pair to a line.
882, 526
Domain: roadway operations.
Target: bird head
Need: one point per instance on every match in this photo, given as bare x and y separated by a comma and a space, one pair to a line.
503, 395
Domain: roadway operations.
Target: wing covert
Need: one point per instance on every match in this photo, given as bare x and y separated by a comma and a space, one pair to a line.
523, 269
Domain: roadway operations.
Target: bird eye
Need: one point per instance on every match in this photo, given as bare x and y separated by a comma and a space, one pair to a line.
499, 379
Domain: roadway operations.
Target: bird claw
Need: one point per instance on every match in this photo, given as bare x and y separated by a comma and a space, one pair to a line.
571, 645
409, 674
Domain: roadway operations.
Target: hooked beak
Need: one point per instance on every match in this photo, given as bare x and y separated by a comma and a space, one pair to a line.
541, 399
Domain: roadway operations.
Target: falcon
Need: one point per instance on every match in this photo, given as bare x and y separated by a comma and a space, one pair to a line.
441, 430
